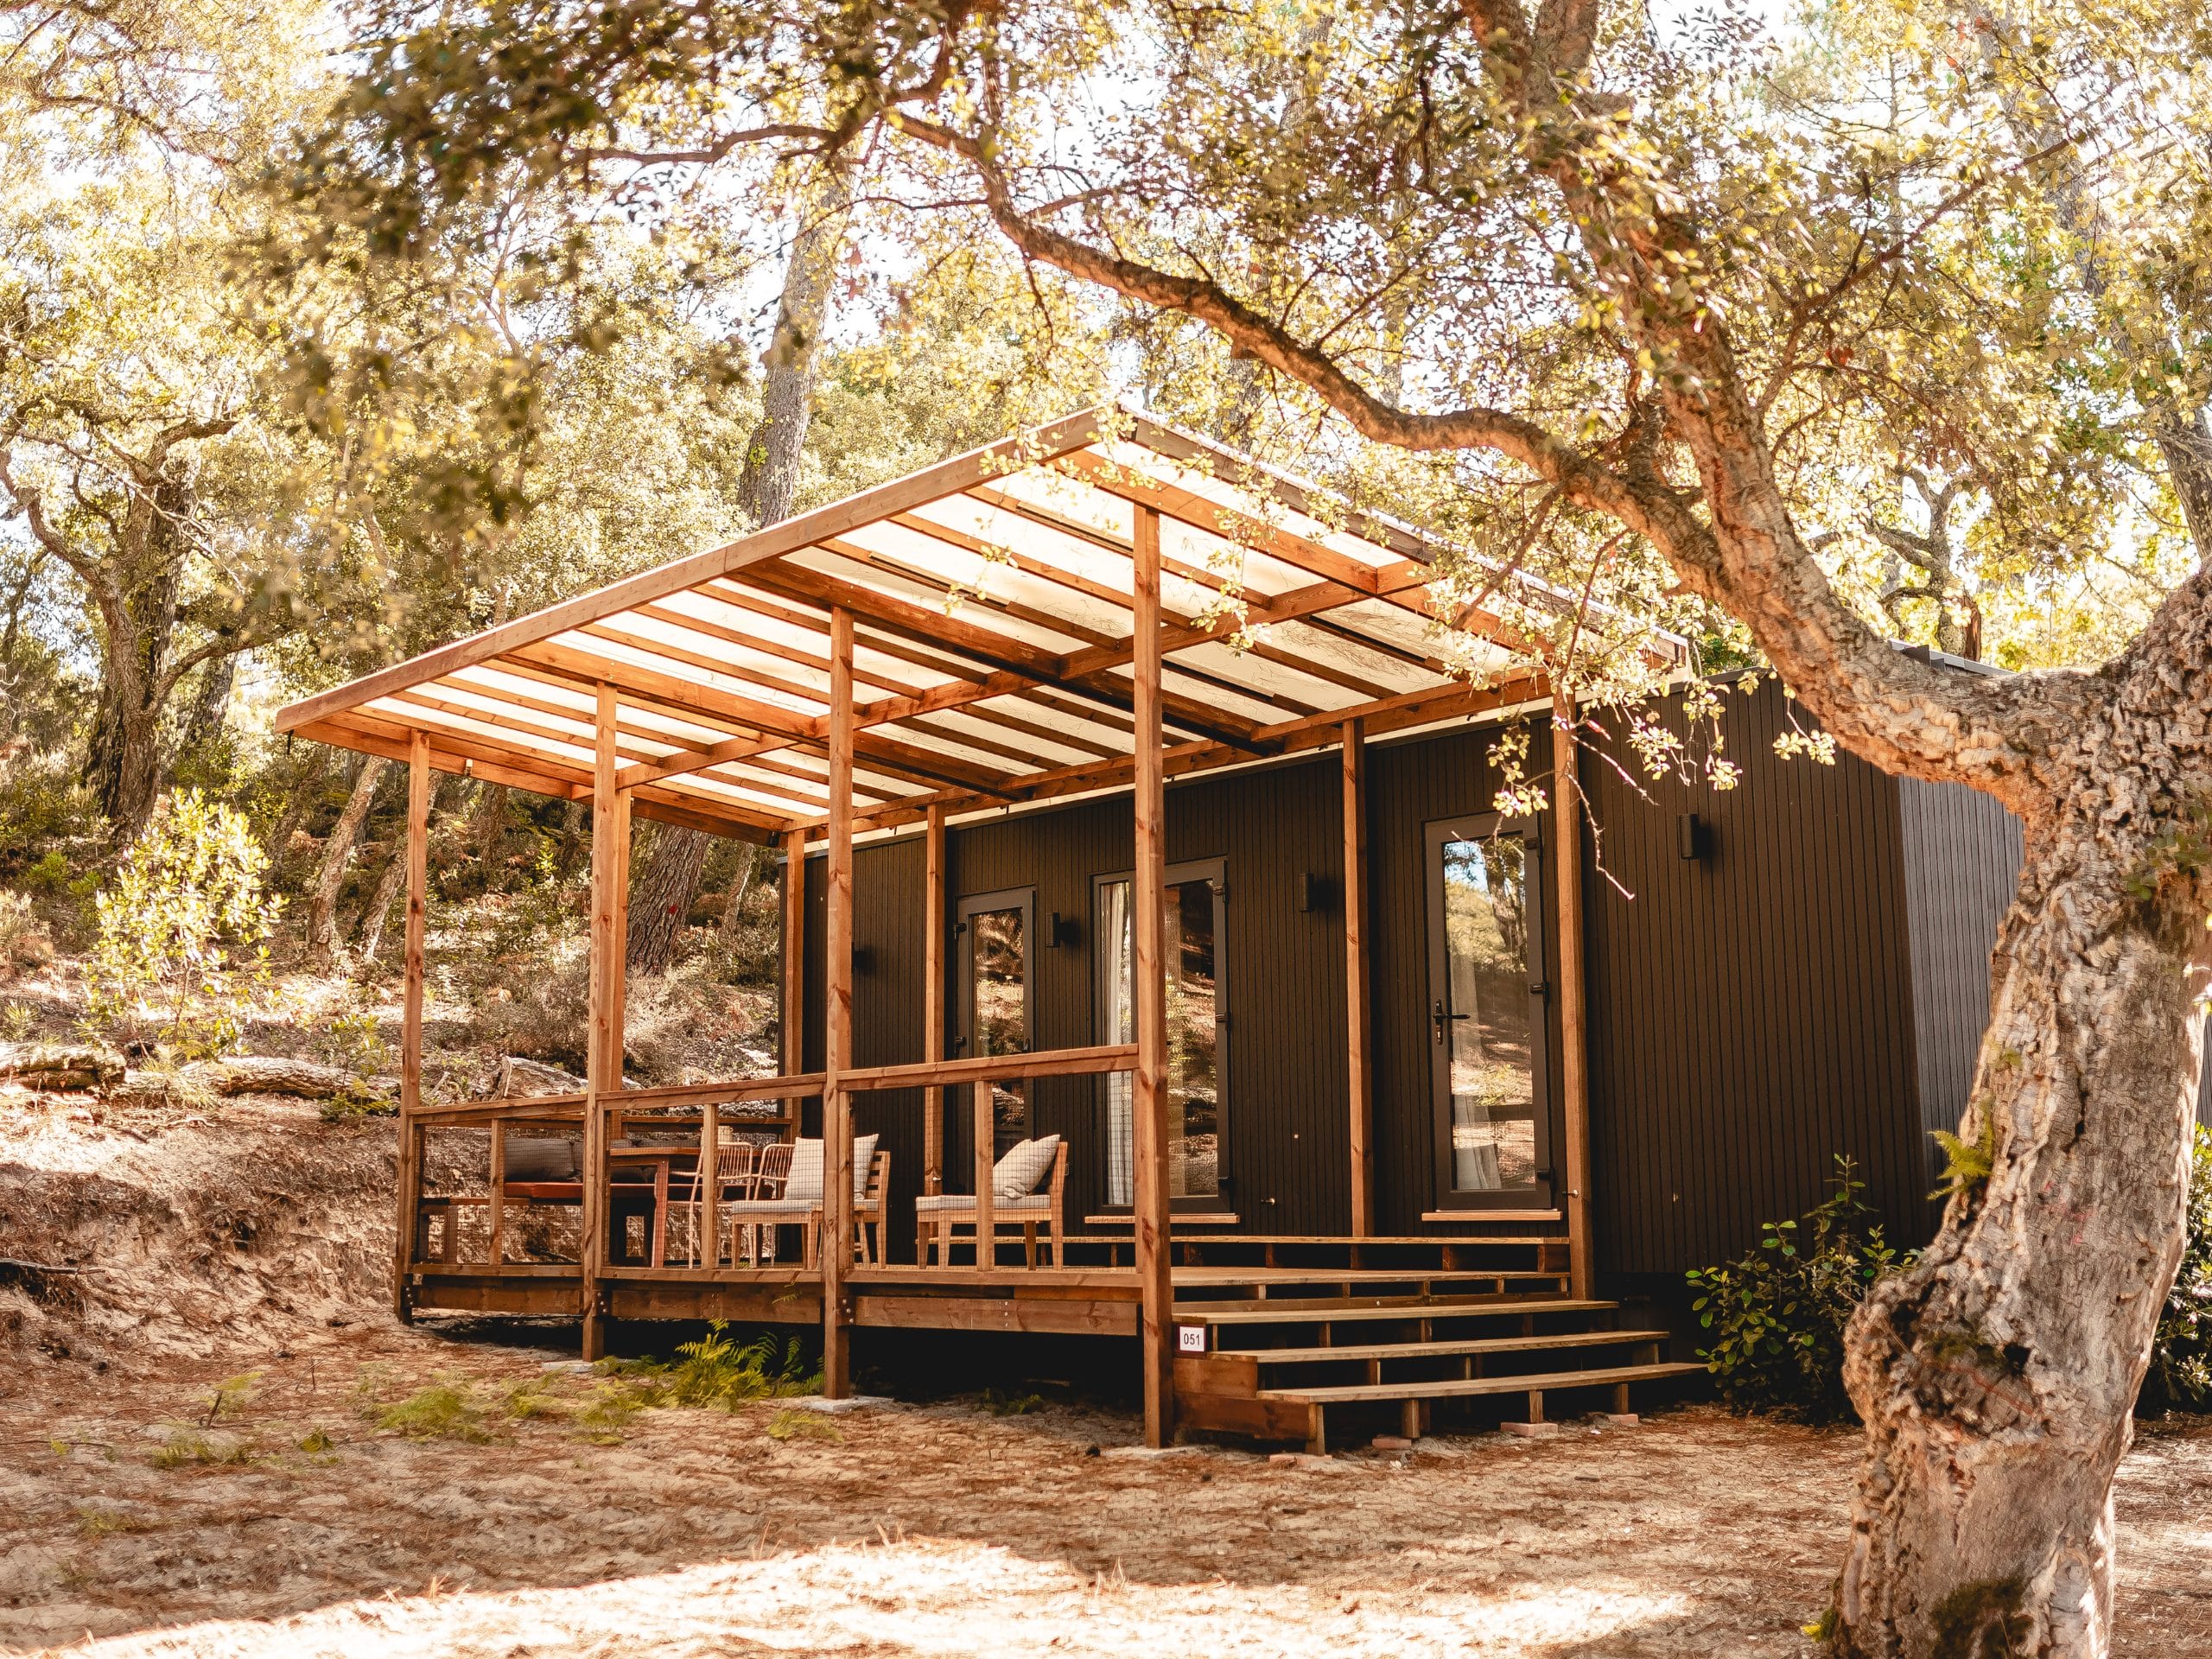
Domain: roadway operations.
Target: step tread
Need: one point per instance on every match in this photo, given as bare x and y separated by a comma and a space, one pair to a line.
1272, 1276
1353, 1393
1443, 1350
1262, 1313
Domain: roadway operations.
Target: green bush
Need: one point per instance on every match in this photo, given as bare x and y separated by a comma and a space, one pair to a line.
1779, 1314
2180, 1378
183, 930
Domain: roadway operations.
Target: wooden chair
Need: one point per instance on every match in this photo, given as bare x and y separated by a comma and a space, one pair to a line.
772, 1173
937, 1216
735, 1162
869, 1213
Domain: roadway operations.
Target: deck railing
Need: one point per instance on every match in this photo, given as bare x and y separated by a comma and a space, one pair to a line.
689, 1116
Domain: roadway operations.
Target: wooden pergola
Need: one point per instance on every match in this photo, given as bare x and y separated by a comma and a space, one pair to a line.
1095, 604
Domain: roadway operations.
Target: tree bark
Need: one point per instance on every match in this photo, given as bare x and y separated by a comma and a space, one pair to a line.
337, 856
663, 897
733, 911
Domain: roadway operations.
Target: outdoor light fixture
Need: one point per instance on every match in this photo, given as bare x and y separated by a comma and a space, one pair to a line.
1063, 930
1313, 892
1692, 837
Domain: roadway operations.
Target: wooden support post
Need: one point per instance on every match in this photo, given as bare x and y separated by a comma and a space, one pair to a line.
1358, 1043
794, 953
610, 885
837, 1026
986, 1220
1574, 1069
933, 997
498, 1192
707, 1192
410, 1171
1149, 996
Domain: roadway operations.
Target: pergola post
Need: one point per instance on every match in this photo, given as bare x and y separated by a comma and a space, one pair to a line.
411, 1018
933, 876
1357, 1044
794, 953
837, 1028
1149, 999
610, 885
1574, 1071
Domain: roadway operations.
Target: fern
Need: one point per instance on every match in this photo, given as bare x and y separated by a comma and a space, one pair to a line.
1967, 1164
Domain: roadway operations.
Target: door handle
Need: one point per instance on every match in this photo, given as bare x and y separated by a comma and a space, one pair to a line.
1439, 1018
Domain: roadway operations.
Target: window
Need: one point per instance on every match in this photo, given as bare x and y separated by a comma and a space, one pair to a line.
1197, 1018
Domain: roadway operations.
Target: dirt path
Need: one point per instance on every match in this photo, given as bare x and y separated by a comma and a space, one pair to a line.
933, 1529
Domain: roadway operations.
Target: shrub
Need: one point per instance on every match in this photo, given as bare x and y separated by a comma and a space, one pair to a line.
2180, 1378
183, 928
1779, 1314
24, 942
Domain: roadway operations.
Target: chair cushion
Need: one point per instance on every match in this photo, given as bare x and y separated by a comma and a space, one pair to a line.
806, 1169
757, 1209
541, 1158
962, 1203
1026, 1164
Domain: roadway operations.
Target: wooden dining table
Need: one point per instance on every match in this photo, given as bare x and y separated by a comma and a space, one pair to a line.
663, 1160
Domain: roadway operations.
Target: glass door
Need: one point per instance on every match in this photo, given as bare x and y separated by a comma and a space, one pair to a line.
994, 972
1197, 1016
1486, 1016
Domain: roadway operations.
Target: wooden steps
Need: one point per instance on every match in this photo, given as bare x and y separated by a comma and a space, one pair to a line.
1273, 1311
1413, 1399
1270, 1366
1472, 1348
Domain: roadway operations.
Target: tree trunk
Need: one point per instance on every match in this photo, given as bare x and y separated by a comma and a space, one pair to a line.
663, 897
1997, 1379
767, 488
305, 791
733, 911
337, 856
491, 833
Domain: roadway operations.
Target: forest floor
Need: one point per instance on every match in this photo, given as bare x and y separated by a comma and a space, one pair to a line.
198, 1457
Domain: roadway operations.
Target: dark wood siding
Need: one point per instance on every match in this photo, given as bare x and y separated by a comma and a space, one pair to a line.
1751, 1010
1283, 970
1961, 862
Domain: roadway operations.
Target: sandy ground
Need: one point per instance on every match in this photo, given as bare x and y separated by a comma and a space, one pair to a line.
921, 1528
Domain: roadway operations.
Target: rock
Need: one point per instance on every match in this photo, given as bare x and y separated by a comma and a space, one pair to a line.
1531, 1431
850, 1402
520, 1077
1619, 1418
1391, 1443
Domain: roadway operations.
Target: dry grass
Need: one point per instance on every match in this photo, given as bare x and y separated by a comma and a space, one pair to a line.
929, 1529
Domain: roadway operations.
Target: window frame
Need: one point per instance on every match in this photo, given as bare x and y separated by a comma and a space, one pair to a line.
1483, 826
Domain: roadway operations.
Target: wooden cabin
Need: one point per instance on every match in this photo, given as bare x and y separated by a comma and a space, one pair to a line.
1192, 969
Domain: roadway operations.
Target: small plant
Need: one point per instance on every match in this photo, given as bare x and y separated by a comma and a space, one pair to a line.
97, 1522
2180, 1377
446, 1410
1011, 1405
1967, 1164
608, 1411
228, 1395
183, 928
718, 1371
17, 1021
187, 1446
1779, 1314
317, 1442
533, 1398
24, 942
802, 1426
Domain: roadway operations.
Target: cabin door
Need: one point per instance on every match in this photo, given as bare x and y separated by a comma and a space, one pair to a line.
1486, 1015
1197, 1025
994, 962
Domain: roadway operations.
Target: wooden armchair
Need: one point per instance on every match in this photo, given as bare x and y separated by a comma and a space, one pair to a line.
937, 1216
